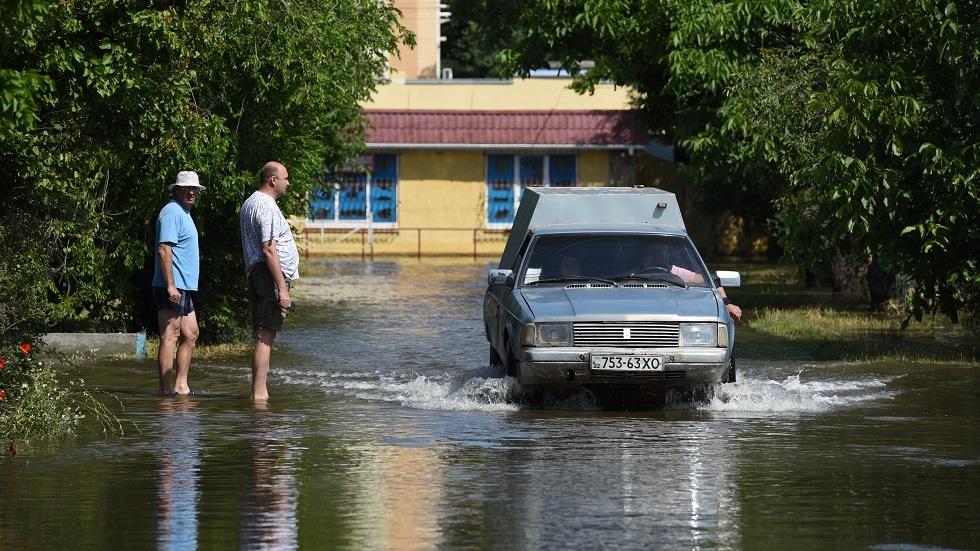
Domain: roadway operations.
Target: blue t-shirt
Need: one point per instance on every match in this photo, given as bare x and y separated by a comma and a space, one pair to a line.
175, 226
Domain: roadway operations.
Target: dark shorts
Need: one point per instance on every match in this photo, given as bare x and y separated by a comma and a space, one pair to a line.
262, 292
183, 307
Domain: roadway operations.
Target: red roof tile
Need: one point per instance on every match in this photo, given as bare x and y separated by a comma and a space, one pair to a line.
505, 128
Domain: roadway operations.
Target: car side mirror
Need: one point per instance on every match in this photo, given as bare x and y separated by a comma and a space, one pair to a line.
501, 277
728, 279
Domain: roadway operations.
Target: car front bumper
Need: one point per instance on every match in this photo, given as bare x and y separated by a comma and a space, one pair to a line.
569, 367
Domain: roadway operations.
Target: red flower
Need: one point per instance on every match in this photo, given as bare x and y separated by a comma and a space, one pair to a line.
3, 395
25, 347
3, 363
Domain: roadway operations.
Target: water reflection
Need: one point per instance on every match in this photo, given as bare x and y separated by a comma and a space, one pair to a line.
270, 511
398, 492
639, 482
180, 464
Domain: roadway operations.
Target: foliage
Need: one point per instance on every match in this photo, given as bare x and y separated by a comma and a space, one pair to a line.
24, 309
35, 404
474, 32
855, 120
104, 101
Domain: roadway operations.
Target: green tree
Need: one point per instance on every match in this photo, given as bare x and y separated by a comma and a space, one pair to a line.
474, 34
104, 101
855, 120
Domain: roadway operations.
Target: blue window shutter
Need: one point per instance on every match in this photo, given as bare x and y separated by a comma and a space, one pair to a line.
384, 188
321, 202
532, 170
353, 195
500, 189
561, 170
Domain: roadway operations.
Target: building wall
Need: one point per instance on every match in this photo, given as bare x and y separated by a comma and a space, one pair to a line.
441, 189
520, 94
593, 168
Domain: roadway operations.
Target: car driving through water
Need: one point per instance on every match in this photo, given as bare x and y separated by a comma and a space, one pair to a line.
602, 288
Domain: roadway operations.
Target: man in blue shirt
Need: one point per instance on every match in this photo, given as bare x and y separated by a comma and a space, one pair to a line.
175, 274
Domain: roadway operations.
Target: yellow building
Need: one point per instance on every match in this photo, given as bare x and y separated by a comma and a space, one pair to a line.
448, 158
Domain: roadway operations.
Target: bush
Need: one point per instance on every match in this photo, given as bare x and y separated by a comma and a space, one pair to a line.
36, 400
36, 403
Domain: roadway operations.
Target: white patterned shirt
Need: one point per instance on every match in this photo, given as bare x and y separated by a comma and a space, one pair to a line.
262, 221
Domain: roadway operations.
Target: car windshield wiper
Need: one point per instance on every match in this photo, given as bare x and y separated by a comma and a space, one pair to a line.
564, 279
666, 278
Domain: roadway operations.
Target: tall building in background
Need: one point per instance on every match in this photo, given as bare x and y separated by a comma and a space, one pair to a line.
425, 18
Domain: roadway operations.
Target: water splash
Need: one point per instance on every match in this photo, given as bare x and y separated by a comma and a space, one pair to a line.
484, 390
474, 391
794, 394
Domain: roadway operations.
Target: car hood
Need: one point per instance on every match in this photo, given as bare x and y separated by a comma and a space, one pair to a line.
619, 304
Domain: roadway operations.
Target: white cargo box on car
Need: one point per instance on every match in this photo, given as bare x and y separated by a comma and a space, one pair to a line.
593, 207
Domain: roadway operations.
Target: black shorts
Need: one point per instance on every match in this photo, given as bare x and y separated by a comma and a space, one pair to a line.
183, 307
262, 292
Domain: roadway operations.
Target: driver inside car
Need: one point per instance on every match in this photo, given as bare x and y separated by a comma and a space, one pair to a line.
570, 266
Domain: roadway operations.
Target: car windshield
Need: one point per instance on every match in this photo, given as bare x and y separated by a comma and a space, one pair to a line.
614, 259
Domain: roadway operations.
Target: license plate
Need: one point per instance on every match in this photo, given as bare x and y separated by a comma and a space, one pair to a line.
627, 363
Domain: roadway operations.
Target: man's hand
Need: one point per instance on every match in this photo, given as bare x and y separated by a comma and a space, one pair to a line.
173, 294
734, 311
284, 301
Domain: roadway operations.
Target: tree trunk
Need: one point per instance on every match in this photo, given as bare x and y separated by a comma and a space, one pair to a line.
848, 273
881, 284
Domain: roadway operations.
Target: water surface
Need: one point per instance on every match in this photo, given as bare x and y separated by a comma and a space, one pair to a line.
386, 430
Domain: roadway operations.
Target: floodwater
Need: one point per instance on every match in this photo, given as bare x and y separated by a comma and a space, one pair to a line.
385, 431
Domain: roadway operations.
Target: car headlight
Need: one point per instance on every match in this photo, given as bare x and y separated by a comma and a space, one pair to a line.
699, 334
547, 334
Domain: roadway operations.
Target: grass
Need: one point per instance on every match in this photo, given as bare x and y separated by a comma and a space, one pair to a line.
223, 351
782, 317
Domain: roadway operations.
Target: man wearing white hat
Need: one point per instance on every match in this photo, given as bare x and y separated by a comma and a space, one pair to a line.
175, 274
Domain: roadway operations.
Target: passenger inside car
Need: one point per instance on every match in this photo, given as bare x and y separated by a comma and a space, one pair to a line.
659, 257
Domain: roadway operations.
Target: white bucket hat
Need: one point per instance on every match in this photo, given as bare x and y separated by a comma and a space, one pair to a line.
187, 178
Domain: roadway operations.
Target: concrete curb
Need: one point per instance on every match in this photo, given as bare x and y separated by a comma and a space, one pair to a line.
98, 344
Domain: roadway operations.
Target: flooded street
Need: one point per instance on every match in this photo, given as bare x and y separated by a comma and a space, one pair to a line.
386, 431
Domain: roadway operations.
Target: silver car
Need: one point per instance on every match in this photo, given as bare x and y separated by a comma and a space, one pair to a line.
607, 306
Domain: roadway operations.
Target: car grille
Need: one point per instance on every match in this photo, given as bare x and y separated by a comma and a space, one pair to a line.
635, 334
635, 377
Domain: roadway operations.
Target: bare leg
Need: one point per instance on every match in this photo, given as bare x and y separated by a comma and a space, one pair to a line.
169, 323
189, 332
260, 363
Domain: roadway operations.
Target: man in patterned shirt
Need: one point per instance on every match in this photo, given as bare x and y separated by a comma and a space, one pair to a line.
271, 262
